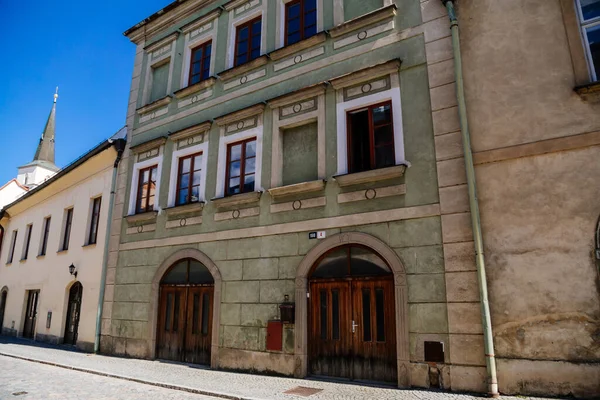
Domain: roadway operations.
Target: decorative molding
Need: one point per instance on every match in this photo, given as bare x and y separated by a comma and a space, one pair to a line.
298, 188
299, 204
154, 105
149, 145
191, 131
371, 194
244, 68
183, 221
189, 90
236, 3
589, 92
153, 115
367, 88
298, 108
364, 34
299, 58
237, 199
192, 208
147, 155
298, 95
237, 214
242, 80
140, 229
167, 41
191, 100
251, 4
363, 21
241, 114
241, 125
143, 217
374, 175
201, 22
298, 46
366, 74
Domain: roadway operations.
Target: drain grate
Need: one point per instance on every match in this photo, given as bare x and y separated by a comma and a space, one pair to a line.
19, 393
303, 391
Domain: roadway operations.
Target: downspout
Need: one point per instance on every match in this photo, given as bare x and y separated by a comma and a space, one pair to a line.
490, 359
120, 147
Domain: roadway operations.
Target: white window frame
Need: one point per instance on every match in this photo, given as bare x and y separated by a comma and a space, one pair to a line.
594, 22
158, 161
190, 44
236, 137
234, 23
173, 178
280, 34
393, 95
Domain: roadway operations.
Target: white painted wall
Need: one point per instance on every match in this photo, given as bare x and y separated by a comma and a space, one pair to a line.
10, 192
34, 175
50, 273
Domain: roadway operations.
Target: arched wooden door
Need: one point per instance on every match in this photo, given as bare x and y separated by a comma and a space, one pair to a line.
352, 328
184, 328
3, 298
73, 313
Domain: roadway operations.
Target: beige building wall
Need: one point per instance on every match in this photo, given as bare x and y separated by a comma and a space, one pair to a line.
50, 273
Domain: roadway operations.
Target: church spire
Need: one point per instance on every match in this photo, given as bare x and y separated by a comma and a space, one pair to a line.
45, 149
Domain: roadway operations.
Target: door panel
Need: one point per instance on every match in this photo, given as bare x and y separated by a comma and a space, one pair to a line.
31, 314
171, 323
330, 336
199, 325
73, 311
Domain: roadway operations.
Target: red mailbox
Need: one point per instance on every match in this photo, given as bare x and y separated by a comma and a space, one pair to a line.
274, 335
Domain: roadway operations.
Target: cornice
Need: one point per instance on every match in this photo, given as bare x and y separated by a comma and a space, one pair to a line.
237, 199
153, 106
364, 20
366, 74
186, 91
299, 46
201, 21
163, 42
298, 95
140, 148
241, 114
373, 175
191, 131
242, 69
233, 4
298, 188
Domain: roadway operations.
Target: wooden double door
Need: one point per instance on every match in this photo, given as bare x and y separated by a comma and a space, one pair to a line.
73, 312
352, 329
185, 323
31, 313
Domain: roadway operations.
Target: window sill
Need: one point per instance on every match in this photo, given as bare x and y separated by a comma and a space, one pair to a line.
154, 105
22, 260
62, 251
237, 199
146, 216
187, 91
192, 208
40, 256
298, 188
363, 20
242, 69
298, 46
374, 175
589, 92
8, 264
92, 245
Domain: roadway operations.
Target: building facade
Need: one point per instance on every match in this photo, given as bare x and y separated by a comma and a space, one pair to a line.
308, 153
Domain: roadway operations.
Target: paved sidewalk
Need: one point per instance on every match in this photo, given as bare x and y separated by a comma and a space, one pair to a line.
205, 381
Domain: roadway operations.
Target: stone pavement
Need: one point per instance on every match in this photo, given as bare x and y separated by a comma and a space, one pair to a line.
192, 379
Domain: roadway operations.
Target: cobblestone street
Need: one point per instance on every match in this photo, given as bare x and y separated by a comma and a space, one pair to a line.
47, 372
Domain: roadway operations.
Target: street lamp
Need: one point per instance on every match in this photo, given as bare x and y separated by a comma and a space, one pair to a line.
73, 270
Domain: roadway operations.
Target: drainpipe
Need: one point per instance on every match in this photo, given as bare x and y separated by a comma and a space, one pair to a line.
120, 147
490, 359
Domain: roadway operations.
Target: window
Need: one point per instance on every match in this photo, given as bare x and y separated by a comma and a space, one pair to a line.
200, 63
247, 41
188, 179
67, 231
146, 189
589, 13
241, 167
160, 81
300, 20
13, 243
93, 235
27, 241
45, 234
371, 138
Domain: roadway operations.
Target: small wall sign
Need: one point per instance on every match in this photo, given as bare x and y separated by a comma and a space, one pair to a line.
49, 320
317, 235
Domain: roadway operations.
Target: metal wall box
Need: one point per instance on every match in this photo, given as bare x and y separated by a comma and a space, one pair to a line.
274, 335
287, 311
434, 352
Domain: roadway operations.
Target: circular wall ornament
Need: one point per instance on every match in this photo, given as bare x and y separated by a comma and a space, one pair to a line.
140, 229
182, 222
362, 35
298, 59
244, 79
148, 154
297, 108
194, 99
190, 140
370, 194
235, 214
366, 88
153, 115
240, 125
297, 204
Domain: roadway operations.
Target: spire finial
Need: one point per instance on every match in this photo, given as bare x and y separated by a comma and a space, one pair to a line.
56, 94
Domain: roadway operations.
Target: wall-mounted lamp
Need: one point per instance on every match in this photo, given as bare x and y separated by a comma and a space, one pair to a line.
73, 270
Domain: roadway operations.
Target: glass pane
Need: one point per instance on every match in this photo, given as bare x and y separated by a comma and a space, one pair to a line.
384, 156
195, 195
310, 18
205, 313
242, 47
177, 274
251, 149
199, 273
198, 162
185, 165
195, 311
243, 33
254, 54
234, 169
293, 38
195, 79
256, 42
183, 197
382, 114
145, 176
184, 180
241, 59
593, 37
206, 64
196, 179
196, 68
248, 183
234, 186
366, 308
379, 315
197, 54
235, 152
310, 31
205, 74
208, 50
176, 313
310, 5
590, 9
256, 27
153, 175
384, 135
360, 151
294, 11
250, 165
323, 298
335, 311
294, 25
364, 262
150, 202
168, 311
333, 265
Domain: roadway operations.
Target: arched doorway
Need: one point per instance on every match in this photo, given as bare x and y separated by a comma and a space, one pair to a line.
184, 331
73, 313
3, 298
352, 330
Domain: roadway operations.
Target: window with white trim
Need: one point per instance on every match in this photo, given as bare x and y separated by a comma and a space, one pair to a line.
589, 18
13, 243
145, 181
27, 242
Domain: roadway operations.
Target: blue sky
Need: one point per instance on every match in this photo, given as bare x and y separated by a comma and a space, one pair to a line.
78, 46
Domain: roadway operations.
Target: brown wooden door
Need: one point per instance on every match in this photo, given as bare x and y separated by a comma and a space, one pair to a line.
199, 325
73, 311
171, 323
374, 330
30, 313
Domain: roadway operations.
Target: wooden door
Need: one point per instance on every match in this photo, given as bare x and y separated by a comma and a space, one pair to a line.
374, 330
171, 323
330, 335
2, 307
199, 325
73, 311
30, 313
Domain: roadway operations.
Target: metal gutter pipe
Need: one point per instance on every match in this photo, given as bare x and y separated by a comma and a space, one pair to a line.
120, 147
490, 359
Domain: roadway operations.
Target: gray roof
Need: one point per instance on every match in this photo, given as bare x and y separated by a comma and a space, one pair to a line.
45, 150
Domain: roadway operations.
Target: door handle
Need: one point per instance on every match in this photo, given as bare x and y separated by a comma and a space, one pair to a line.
354, 325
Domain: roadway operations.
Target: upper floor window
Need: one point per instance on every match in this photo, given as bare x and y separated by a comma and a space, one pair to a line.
67, 229
589, 14
189, 177
241, 167
200, 63
45, 235
13, 243
247, 41
146, 189
160, 81
370, 138
300, 20
95, 220
27, 241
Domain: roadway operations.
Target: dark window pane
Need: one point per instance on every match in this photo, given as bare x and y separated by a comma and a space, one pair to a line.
384, 135
366, 305
184, 180
176, 313
199, 273
310, 31
310, 18
234, 169
196, 178
250, 165
205, 313
243, 33
194, 79
593, 37
242, 47
241, 59
335, 311
248, 183
590, 9
359, 138
256, 27
333, 265
197, 56
294, 11
168, 311
310, 5
195, 311
384, 156
183, 197
379, 315
196, 68
381, 114
254, 54
294, 38
177, 275
206, 64
323, 299
294, 25
365, 262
